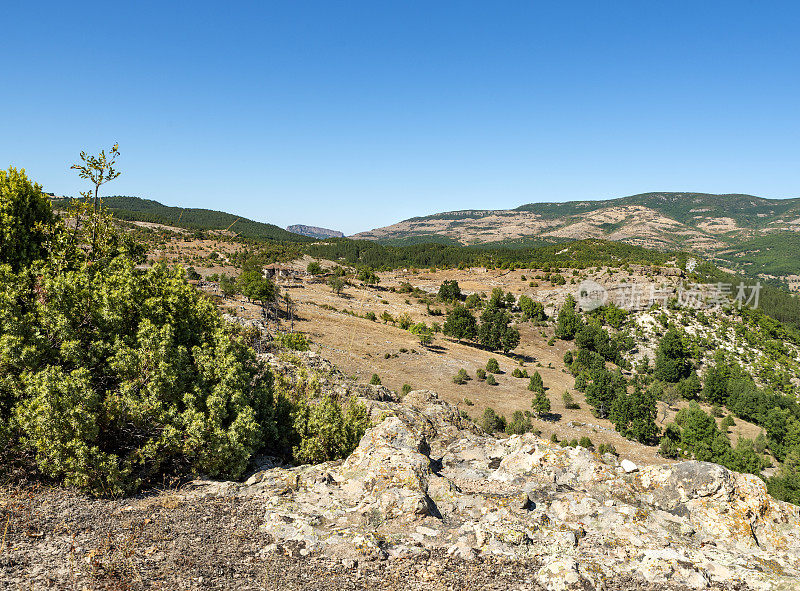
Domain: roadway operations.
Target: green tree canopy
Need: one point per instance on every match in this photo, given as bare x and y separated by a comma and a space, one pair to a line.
494, 331
531, 310
449, 291
567, 321
460, 324
672, 357
25, 216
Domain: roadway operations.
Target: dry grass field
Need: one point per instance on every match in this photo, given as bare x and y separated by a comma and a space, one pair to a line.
362, 347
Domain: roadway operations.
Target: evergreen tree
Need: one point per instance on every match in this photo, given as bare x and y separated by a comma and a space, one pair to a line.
715, 388
541, 404
672, 357
536, 384
449, 291
460, 324
25, 217
567, 321
494, 331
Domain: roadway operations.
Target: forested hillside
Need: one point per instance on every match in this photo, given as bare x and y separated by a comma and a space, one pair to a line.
744, 232
147, 210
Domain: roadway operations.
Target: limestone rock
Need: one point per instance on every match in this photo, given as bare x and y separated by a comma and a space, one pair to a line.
423, 479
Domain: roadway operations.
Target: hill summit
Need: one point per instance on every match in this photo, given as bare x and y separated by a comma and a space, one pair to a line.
665, 220
314, 231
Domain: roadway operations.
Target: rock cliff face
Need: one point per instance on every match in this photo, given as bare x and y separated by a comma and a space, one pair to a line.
423, 479
314, 231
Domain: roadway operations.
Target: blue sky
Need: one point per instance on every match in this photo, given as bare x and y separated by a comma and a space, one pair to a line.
353, 115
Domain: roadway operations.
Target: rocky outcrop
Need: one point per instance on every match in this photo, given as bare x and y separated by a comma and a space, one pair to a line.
423, 479
314, 231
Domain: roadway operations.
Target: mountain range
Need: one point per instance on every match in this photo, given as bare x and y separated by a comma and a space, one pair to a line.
742, 231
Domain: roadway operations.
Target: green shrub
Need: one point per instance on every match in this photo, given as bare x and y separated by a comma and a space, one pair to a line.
468, 402
371, 316
519, 424
668, 448
138, 377
568, 358
404, 321
296, 341
462, 377
24, 216
490, 380
406, 389
586, 442
727, 423
375, 380
569, 401
325, 431
554, 438
491, 422
519, 373
607, 448
480, 373
536, 384
492, 366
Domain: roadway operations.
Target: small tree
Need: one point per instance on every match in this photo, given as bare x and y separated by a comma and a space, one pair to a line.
375, 380
519, 424
672, 357
336, 284
541, 404
368, 276
531, 310
314, 268
462, 377
494, 331
423, 332
568, 321
227, 286
536, 384
98, 170
569, 401
449, 291
460, 324
491, 422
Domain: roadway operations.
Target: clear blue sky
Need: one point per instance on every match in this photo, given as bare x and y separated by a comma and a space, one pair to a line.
353, 115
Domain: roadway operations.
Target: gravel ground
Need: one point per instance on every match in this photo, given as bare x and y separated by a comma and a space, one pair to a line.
54, 539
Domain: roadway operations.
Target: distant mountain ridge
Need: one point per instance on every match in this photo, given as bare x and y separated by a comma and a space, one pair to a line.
700, 222
741, 231
137, 209
314, 231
